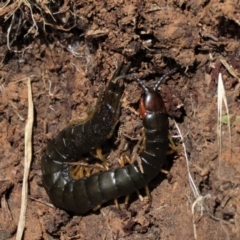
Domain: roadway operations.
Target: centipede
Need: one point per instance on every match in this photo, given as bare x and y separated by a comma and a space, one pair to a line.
84, 194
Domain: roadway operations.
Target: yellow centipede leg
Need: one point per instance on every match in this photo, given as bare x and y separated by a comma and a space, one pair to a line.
169, 175
117, 204
172, 145
126, 201
97, 207
101, 157
148, 192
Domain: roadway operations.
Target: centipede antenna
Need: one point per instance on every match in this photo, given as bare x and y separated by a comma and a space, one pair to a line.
135, 78
139, 82
162, 78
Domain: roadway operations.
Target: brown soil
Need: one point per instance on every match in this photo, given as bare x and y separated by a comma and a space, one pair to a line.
70, 49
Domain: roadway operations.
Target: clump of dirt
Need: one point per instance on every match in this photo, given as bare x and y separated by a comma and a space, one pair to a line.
70, 50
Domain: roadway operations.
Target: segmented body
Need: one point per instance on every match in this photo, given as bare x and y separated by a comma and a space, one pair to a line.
84, 194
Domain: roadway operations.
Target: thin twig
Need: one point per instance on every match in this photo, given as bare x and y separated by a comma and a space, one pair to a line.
27, 163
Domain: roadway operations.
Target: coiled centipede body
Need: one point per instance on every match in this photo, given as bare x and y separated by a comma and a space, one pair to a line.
84, 194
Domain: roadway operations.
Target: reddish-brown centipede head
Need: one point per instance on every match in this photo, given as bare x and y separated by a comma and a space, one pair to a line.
151, 102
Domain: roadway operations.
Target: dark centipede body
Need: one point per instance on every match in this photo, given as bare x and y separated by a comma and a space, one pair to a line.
84, 194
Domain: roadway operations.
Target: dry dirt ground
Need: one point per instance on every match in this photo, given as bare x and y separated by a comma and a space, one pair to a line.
69, 50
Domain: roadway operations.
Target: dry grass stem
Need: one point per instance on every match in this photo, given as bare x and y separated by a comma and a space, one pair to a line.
221, 99
27, 163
